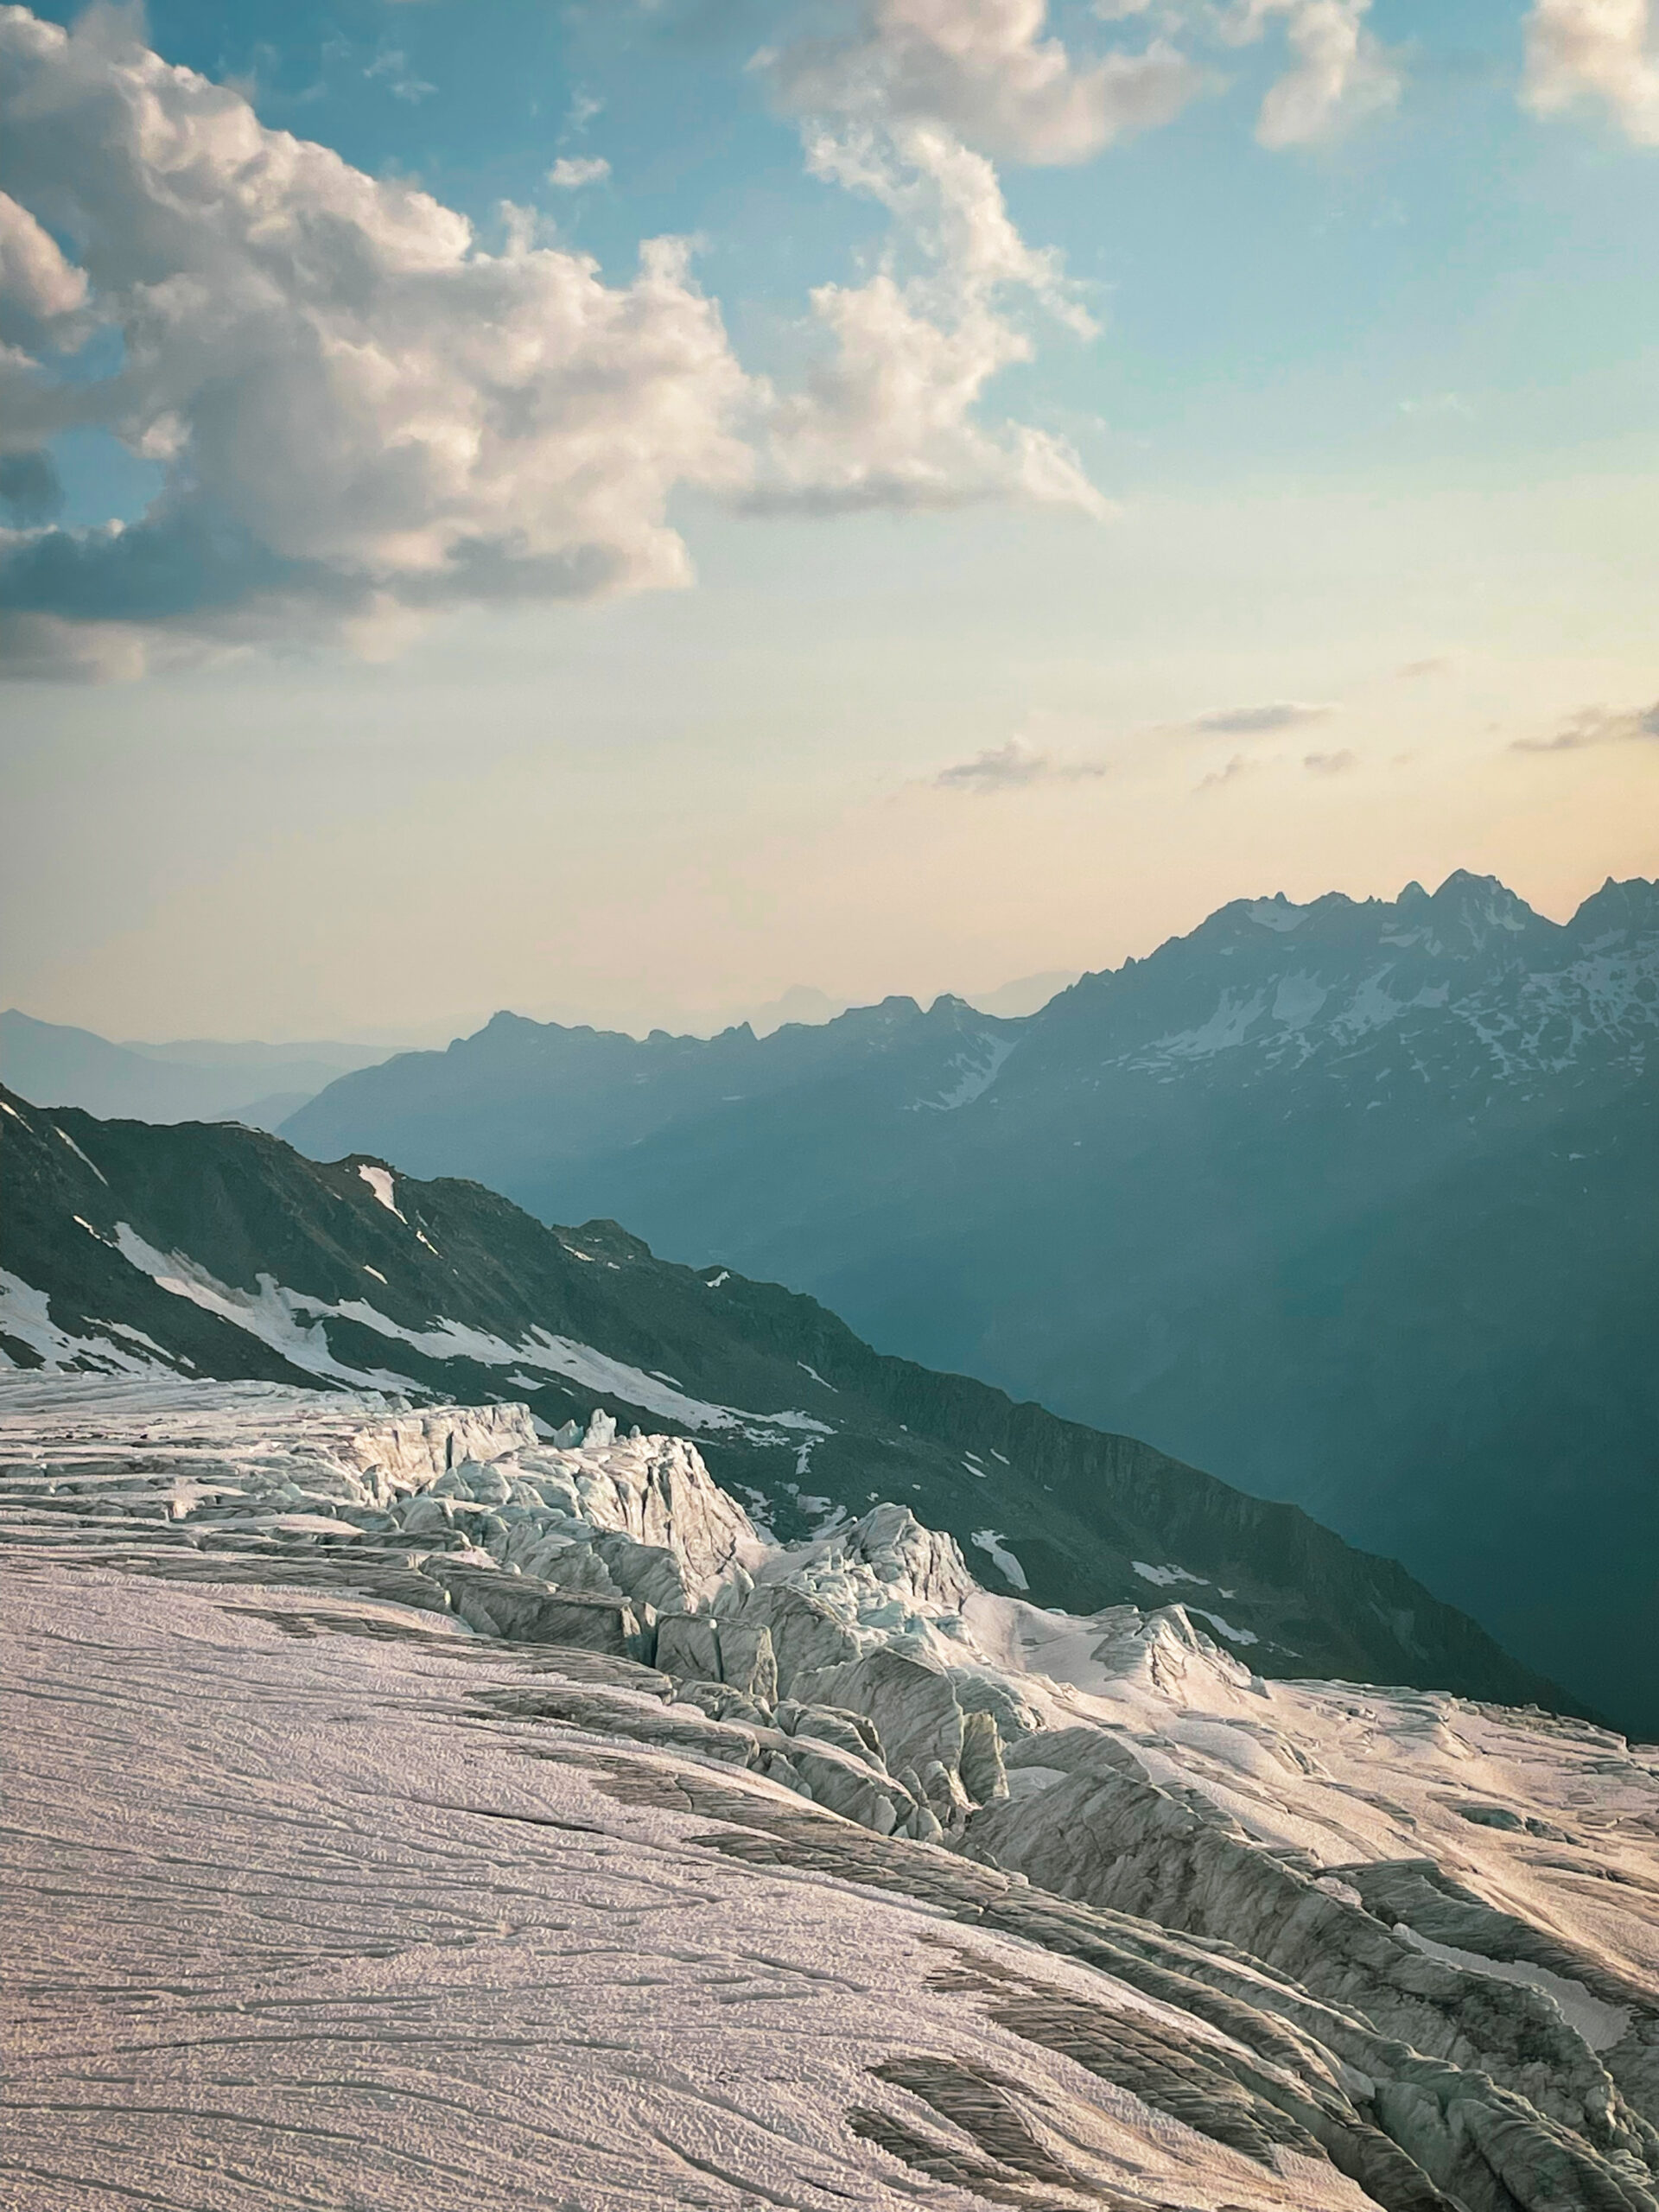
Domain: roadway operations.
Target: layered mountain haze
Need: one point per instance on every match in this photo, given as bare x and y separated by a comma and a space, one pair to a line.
1356, 1202
217, 1251
198, 1079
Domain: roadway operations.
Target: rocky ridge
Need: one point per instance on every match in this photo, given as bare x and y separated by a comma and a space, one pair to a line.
1355, 1202
215, 1251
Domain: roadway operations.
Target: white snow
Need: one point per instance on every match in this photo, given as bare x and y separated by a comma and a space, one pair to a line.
375, 1271
379, 1181
1240, 1636
271, 1313
293, 1323
976, 1072
817, 1377
1298, 999
347, 1781
1227, 1028
989, 1540
306, 1924
1601, 2024
25, 1316
1279, 914
81, 1156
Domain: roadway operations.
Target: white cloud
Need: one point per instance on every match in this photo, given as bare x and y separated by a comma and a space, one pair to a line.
34, 278
1596, 49
985, 71
364, 417
570, 172
890, 417
1013, 766
359, 410
1340, 73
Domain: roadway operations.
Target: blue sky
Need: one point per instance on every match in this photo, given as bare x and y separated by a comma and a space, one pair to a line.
1215, 437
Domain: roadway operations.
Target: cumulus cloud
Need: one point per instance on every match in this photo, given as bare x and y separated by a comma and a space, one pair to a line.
364, 415
1013, 766
984, 70
889, 416
1606, 50
1597, 725
1340, 72
358, 409
571, 171
1257, 721
36, 281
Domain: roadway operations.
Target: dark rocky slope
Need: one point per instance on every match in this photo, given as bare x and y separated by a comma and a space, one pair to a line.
219, 1251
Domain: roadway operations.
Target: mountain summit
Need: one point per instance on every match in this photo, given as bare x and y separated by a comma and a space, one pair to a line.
1356, 1201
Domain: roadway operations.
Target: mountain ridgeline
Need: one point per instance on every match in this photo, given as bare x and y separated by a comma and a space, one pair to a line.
1356, 1202
218, 1251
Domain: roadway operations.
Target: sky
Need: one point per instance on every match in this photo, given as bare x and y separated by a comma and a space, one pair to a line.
620, 509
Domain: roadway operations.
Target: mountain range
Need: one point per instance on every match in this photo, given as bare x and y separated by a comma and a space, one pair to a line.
1356, 1202
214, 1250
198, 1079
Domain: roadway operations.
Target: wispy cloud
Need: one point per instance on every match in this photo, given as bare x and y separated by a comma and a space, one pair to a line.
1340, 74
1437, 664
570, 172
401, 81
1597, 725
1238, 766
985, 71
1264, 721
1012, 767
583, 108
1330, 764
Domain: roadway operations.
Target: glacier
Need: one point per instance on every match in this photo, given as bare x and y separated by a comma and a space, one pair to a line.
414, 1808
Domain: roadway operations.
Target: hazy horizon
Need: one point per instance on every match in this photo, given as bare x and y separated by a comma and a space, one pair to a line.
797, 1002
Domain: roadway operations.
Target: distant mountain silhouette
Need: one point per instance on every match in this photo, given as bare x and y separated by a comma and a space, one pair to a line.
1356, 1202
